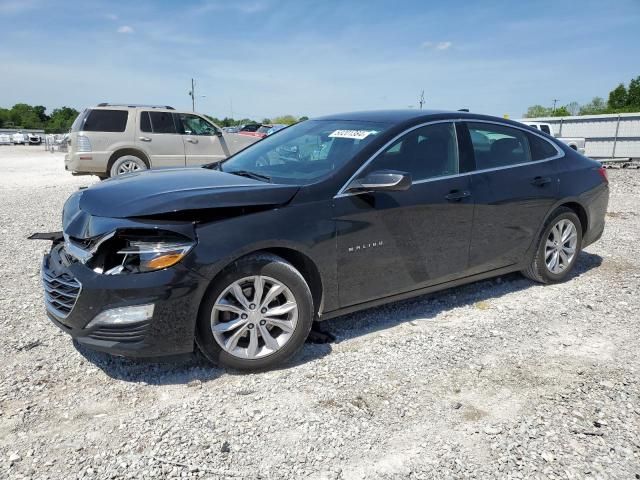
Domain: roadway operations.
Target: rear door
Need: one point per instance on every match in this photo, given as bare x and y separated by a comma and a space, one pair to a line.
203, 141
158, 136
395, 242
515, 184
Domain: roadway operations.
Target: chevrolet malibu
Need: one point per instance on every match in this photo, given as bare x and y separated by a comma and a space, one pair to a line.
326, 217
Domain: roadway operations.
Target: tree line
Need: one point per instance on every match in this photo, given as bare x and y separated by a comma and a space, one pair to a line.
26, 116
622, 99
231, 122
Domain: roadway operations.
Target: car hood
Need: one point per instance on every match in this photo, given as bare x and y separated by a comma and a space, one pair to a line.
155, 192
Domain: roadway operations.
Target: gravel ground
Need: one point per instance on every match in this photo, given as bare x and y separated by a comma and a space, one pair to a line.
499, 379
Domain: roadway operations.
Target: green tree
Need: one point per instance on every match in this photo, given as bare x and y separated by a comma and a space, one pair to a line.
561, 112
537, 111
25, 116
4, 117
266, 120
618, 98
303, 118
61, 120
285, 119
633, 94
596, 106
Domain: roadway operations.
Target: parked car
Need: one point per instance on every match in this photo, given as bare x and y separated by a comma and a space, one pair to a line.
19, 138
111, 140
5, 139
34, 139
255, 130
578, 144
329, 216
275, 127
231, 129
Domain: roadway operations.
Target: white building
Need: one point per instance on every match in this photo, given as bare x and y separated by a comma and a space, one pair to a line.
607, 136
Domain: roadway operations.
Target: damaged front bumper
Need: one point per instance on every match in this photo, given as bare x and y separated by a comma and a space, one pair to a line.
75, 296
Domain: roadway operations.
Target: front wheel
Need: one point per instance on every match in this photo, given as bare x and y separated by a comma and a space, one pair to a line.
256, 315
558, 248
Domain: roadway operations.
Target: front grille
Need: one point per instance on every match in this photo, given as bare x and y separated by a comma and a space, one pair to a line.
60, 292
130, 333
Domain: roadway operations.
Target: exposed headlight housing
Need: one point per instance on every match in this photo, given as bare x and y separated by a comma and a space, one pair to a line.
123, 315
130, 251
146, 256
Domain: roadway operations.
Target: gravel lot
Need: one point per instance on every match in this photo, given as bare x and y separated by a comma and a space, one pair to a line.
499, 379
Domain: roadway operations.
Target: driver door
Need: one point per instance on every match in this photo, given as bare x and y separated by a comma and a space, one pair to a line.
203, 141
391, 242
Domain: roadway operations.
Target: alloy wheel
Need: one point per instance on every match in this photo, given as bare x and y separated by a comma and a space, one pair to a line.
560, 248
128, 166
254, 317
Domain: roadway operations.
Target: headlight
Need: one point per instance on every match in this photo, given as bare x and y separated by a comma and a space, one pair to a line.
139, 252
140, 256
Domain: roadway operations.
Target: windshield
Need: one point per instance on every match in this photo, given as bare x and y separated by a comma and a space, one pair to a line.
303, 153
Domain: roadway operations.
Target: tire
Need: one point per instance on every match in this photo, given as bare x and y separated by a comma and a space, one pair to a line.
542, 268
127, 163
247, 346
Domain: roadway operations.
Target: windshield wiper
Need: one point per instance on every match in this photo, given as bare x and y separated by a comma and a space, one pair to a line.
254, 175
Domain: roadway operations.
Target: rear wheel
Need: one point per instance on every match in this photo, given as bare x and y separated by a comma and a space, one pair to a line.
126, 164
256, 315
558, 248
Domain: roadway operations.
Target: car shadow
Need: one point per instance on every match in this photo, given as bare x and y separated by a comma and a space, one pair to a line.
189, 368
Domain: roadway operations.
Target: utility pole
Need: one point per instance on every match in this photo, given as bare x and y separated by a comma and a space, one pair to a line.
192, 94
421, 101
555, 100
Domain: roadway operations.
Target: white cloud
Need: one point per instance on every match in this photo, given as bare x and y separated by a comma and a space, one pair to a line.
436, 45
125, 29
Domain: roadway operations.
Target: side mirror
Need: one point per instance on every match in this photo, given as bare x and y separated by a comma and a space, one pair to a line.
217, 132
381, 181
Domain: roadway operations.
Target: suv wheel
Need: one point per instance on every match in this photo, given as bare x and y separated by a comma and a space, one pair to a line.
558, 248
256, 315
127, 163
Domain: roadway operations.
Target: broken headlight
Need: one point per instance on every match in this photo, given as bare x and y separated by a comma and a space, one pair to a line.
139, 253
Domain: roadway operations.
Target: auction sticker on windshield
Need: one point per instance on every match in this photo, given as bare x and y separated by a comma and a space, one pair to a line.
354, 134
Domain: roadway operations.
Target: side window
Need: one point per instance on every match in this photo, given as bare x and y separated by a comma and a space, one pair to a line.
195, 125
162, 122
497, 146
545, 129
106, 121
427, 152
540, 148
145, 122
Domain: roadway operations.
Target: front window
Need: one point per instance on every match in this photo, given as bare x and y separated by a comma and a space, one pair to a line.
195, 125
426, 152
305, 152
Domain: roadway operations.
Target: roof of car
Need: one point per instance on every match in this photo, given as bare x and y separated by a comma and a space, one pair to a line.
413, 116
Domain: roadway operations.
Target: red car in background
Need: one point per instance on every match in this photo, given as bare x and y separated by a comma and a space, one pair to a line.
255, 130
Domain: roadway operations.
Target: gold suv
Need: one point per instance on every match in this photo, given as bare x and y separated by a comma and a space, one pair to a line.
110, 140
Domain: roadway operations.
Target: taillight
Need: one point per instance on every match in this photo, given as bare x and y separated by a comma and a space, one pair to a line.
83, 144
603, 173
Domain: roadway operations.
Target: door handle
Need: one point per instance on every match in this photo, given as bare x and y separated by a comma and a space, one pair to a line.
457, 195
192, 140
144, 139
541, 181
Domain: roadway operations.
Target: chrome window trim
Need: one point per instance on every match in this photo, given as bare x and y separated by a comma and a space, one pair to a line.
560, 153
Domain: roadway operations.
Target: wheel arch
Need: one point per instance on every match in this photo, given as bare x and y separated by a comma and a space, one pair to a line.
127, 151
300, 261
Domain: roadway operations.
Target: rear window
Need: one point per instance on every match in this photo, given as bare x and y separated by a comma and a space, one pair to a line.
105, 121
159, 122
540, 148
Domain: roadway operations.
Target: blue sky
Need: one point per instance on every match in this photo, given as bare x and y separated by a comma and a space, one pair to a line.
268, 57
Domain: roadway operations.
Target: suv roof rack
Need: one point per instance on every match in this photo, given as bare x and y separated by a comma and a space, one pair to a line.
133, 105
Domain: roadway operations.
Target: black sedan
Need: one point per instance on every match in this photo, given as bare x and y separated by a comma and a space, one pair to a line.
329, 216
